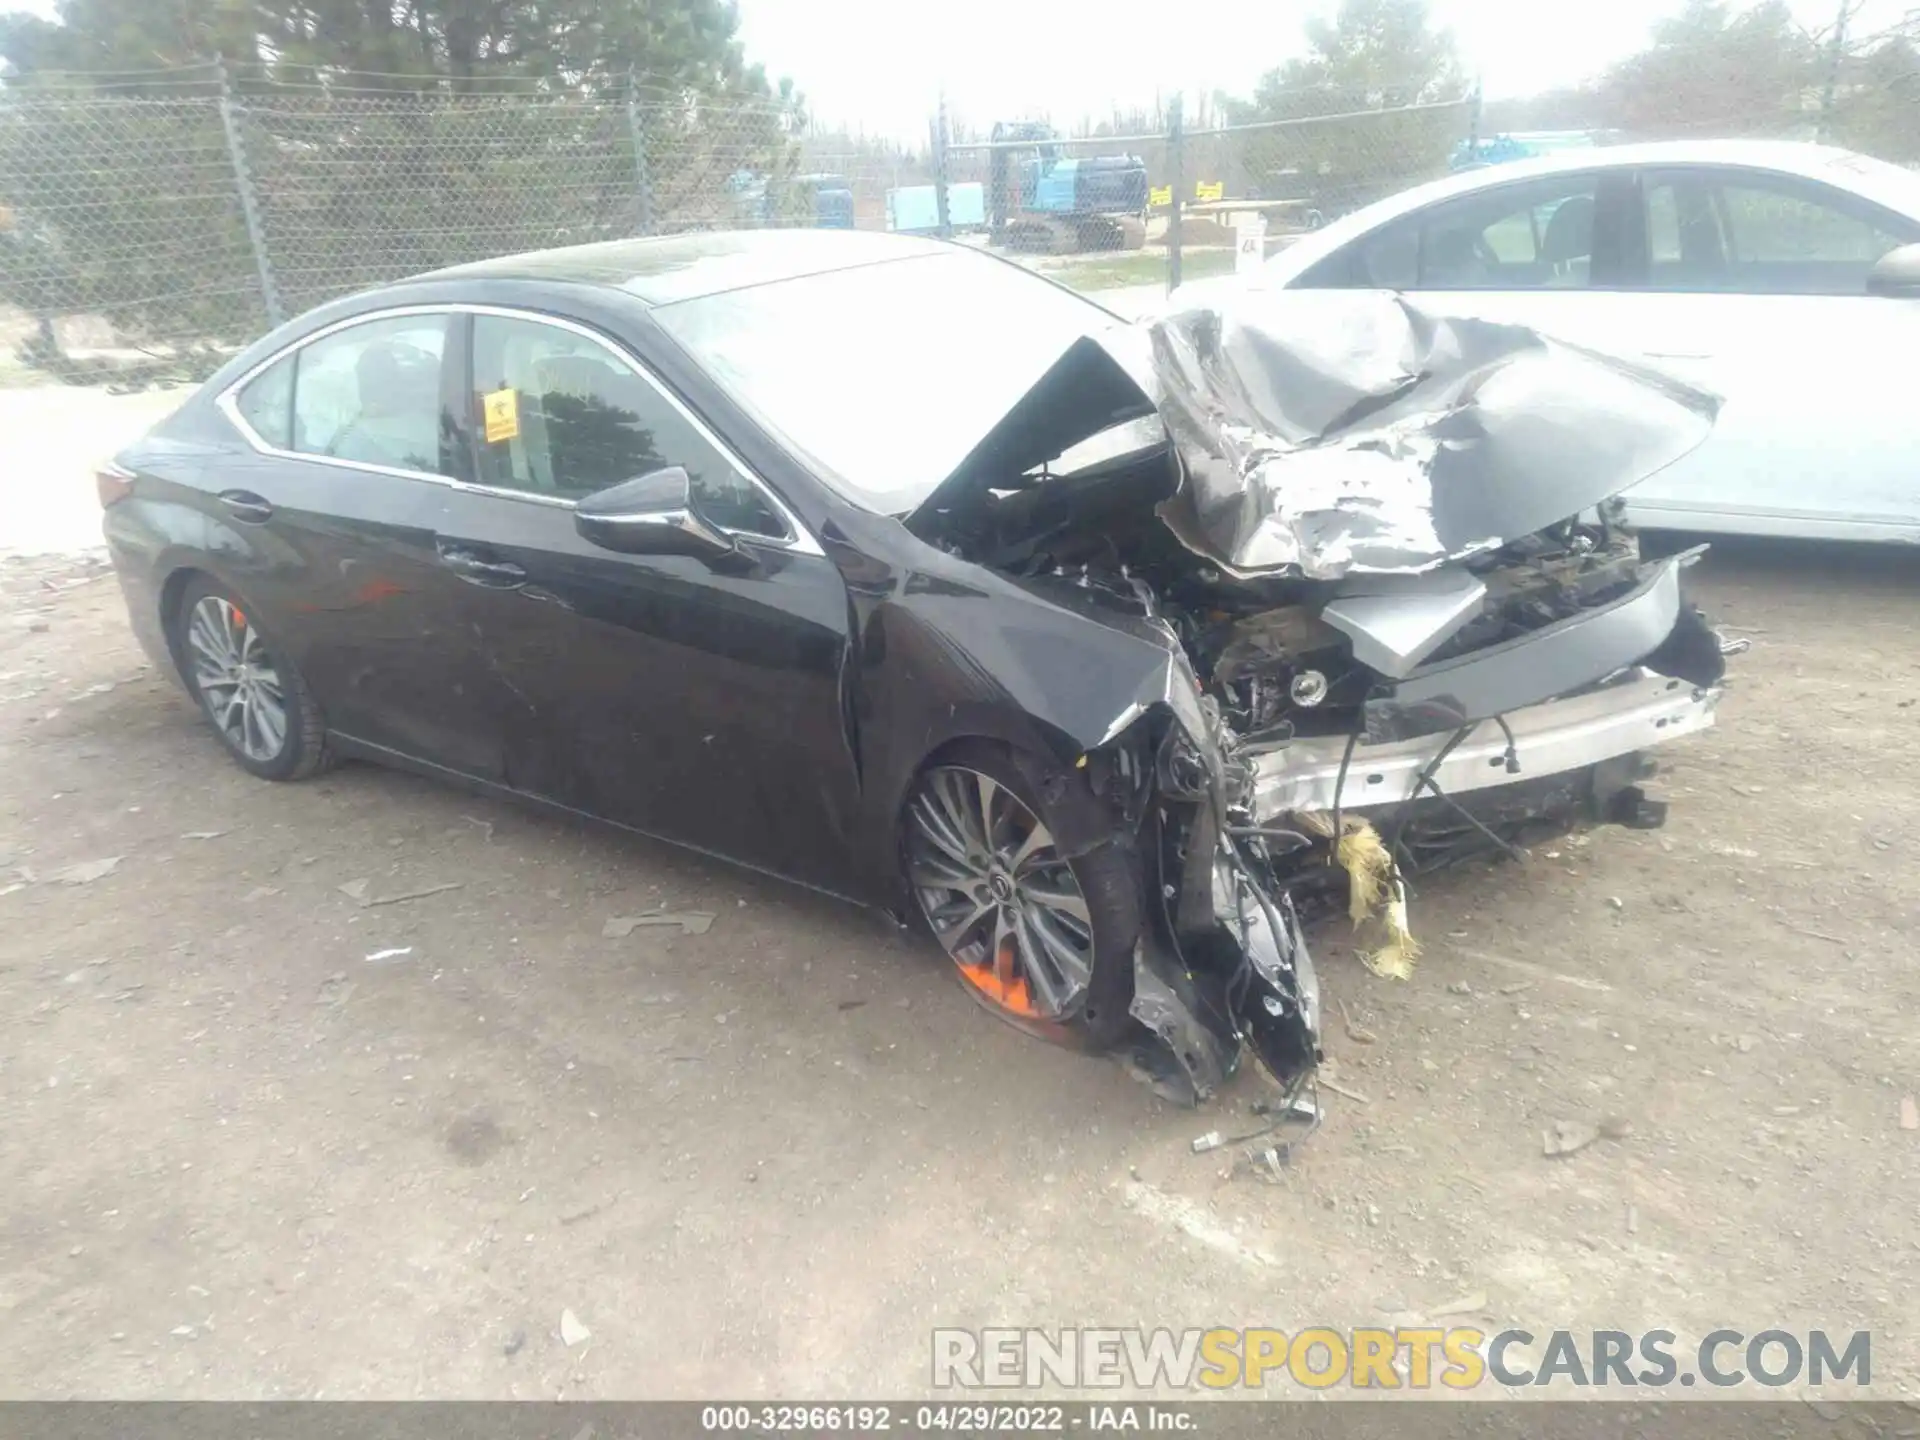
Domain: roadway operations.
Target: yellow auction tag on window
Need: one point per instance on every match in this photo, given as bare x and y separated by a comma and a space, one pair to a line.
502, 409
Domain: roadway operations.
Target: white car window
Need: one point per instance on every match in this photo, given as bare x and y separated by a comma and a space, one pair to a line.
1746, 233
1531, 235
1389, 259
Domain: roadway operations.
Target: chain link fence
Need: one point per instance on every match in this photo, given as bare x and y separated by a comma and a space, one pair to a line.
1326, 165
123, 227
352, 191
147, 235
144, 238
1179, 192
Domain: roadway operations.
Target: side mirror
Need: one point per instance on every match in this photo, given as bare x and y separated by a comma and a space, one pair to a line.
1897, 274
653, 515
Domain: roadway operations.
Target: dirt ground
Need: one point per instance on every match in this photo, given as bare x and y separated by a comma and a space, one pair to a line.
242, 1159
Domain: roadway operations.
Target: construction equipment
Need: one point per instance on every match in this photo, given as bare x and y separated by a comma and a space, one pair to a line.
1473, 152
1043, 199
824, 202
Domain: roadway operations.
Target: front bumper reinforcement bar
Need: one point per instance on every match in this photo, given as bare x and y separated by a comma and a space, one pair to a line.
1641, 710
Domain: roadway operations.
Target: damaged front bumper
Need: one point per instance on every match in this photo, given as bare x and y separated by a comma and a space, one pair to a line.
1461, 756
1553, 764
1599, 687
1637, 711
1652, 623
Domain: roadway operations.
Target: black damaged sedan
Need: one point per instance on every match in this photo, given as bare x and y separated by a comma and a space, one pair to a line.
889, 568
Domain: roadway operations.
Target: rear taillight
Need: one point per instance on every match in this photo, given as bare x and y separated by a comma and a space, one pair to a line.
114, 483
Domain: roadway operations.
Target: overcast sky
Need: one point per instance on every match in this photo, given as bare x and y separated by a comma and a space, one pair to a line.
881, 62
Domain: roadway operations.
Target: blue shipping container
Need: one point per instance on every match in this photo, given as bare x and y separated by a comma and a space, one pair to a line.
916, 209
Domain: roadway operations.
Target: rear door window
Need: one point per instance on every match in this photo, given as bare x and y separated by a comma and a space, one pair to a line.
371, 394
1390, 260
266, 403
1533, 235
368, 393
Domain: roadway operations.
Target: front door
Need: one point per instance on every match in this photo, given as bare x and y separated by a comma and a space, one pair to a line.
699, 703
1755, 288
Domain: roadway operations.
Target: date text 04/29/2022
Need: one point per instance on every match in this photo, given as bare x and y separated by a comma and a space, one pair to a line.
962, 1417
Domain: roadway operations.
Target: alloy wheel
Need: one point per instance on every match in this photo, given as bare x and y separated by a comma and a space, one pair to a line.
998, 894
237, 679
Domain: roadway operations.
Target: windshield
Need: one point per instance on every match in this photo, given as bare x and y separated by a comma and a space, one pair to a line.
884, 377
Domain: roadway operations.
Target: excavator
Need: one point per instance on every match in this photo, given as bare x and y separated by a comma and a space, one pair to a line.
1040, 198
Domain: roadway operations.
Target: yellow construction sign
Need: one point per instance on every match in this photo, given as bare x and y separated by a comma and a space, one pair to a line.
1161, 196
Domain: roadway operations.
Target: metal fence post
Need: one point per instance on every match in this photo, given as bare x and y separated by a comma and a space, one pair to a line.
940, 199
1176, 161
249, 204
642, 171
1836, 57
1473, 123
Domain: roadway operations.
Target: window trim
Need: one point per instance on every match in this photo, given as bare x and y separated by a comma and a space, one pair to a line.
797, 541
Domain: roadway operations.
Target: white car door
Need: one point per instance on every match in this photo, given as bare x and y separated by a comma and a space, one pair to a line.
1753, 285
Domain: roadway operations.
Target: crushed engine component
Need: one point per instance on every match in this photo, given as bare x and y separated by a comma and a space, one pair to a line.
1404, 621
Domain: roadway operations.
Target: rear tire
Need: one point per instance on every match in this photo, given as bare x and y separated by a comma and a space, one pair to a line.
1044, 942
249, 692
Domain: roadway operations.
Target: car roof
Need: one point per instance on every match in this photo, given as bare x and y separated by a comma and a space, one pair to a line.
1876, 180
667, 269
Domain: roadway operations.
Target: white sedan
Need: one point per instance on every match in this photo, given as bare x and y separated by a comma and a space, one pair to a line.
1783, 277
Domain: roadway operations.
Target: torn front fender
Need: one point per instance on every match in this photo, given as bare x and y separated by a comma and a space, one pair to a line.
1049, 651
1327, 433
951, 651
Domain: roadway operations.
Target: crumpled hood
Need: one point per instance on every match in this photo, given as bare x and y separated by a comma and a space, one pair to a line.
1333, 432
1336, 432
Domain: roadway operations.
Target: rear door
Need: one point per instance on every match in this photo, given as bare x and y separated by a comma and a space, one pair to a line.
701, 703
1753, 284
355, 444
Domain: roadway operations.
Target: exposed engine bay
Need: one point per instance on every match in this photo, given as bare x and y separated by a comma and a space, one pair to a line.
1405, 624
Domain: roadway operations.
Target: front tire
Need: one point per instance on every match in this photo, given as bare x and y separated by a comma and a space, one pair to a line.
1040, 939
254, 698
